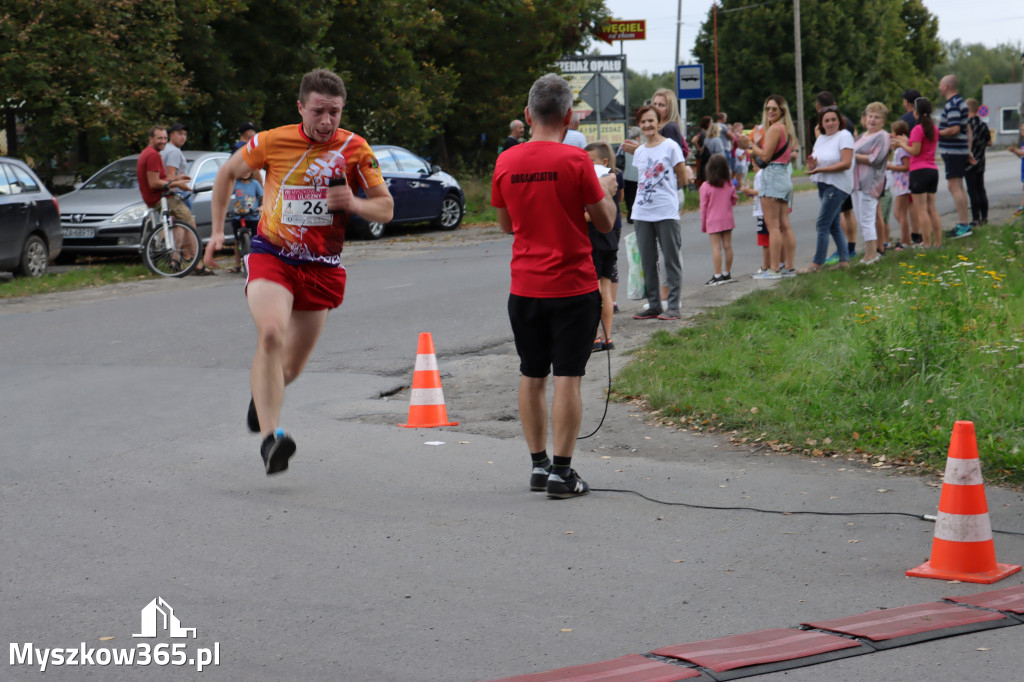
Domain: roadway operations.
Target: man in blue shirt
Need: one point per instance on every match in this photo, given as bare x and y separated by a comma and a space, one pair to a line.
954, 151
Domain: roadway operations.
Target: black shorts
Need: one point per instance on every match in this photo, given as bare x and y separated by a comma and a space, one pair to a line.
554, 333
956, 165
848, 204
924, 181
607, 264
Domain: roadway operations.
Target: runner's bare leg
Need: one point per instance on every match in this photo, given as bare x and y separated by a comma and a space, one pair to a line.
284, 341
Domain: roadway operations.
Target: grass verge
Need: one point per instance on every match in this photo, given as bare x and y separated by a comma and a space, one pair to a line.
478, 200
874, 362
77, 278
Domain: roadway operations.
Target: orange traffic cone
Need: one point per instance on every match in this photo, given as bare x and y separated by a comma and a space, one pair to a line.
426, 406
962, 548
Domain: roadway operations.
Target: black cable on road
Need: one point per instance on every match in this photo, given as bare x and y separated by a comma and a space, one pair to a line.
919, 517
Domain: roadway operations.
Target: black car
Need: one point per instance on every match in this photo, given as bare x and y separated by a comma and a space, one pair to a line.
30, 235
423, 193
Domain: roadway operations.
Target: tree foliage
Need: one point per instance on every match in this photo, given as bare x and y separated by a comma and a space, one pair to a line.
975, 65
99, 81
866, 51
642, 86
499, 47
87, 79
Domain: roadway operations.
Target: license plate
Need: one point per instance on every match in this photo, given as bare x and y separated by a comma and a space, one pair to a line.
79, 232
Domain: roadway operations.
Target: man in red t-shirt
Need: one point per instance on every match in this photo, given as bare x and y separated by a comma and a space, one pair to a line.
540, 189
153, 184
295, 271
150, 169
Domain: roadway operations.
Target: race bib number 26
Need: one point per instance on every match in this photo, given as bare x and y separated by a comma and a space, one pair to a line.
304, 206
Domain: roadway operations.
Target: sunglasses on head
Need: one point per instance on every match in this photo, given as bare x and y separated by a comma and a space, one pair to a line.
831, 107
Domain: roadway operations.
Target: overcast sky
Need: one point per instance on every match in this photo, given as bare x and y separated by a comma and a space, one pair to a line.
990, 22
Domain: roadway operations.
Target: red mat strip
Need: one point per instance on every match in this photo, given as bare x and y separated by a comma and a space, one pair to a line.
631, 668
766, 646
886, 624
1009, 599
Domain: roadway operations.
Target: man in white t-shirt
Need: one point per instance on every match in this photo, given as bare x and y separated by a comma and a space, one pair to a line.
573, 135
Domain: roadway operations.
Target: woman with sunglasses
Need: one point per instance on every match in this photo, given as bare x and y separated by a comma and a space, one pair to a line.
776, 184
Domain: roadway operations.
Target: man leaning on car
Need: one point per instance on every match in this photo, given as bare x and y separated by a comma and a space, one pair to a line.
153, 183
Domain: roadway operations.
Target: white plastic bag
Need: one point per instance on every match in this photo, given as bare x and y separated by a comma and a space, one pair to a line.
635, 284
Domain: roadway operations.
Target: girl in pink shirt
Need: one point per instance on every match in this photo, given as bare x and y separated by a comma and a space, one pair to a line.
717, 197
924, 176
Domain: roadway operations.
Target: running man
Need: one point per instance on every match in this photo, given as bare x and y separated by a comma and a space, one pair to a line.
295, 271
540, 189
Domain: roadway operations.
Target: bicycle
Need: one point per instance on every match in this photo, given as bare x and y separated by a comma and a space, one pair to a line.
243, 228
168, 249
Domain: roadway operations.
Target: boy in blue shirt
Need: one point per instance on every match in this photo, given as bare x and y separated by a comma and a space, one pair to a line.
245, 203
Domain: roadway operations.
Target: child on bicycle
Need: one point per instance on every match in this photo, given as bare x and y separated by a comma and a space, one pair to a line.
246, 200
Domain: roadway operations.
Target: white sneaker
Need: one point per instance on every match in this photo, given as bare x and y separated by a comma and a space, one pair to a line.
769, 274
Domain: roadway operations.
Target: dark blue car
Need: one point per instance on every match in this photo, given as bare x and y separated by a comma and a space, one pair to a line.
422, 193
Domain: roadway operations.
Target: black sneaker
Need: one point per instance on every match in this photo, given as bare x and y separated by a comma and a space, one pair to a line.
649, 314
539, 478
726, 278
276, 450
252, 419
563, 488
714, 281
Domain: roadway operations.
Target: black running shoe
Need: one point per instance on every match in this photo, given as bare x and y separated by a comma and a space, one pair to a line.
649, 314
252, 419
539, 478
276, 450
563, 488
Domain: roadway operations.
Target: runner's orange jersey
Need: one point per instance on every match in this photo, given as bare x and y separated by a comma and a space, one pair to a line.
295, 224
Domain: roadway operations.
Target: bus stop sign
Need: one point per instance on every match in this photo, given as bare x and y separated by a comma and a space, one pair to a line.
690, 81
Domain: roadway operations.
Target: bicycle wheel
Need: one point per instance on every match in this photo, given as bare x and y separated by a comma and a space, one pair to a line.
172, 251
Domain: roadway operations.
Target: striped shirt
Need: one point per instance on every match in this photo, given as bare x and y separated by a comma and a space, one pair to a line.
954, 114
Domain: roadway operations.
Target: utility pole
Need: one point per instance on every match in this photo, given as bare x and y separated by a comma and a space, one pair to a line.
675, 69
801, 126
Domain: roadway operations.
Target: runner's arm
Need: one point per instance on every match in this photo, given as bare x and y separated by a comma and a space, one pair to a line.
377, 207
223, 186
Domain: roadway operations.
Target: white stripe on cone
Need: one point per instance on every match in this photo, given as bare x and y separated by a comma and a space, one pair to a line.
963, 527
426, 363
426, 396
962, 472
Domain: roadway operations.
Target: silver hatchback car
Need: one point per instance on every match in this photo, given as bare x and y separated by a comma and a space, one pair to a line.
104, 215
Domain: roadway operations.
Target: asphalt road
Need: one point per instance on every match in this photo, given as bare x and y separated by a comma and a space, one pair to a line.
417, 554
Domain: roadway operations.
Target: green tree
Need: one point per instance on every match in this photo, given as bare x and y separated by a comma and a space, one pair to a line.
861, 52
244, 60
498, 48
87, 93
399, 91
976, 64
642, 86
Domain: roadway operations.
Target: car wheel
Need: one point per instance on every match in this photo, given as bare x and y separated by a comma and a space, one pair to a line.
373, 230
451, 213
34, 257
